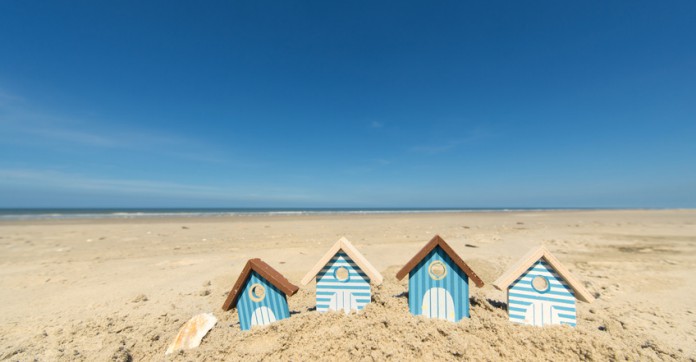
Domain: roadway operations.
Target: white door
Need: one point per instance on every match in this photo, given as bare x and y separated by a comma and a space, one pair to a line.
262, 316
343, 300
438, 303
541, 314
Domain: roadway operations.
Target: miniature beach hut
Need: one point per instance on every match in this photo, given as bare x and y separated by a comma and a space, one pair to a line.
260, 295
343, 278
541, 291
438, 282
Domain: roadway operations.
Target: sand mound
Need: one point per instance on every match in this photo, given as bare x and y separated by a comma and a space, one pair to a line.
384, 330
125, 299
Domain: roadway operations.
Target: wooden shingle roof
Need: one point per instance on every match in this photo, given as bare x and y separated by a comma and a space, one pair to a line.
432, 244
267, 272
345, 245
532, 257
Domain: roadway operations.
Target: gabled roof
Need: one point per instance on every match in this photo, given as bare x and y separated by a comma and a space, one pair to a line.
532, 257
348, 248
432, 244
267, 272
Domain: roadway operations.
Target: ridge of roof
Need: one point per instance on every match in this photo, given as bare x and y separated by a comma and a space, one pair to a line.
504, 281
267, 272
357, 257
430, 246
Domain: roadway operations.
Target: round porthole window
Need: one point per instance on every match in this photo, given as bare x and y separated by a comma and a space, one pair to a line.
437, 270
342, 274
257, 292
540, 284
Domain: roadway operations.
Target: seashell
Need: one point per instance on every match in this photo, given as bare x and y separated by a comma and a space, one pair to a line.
192, 332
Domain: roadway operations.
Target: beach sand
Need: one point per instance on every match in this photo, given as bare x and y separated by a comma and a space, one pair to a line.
120, 289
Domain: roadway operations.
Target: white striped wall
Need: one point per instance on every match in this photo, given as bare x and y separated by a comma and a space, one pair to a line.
560, 296
329, 288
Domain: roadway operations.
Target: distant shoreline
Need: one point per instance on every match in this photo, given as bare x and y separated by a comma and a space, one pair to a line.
56, 214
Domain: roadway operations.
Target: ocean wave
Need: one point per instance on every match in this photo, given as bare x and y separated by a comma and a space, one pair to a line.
57, 214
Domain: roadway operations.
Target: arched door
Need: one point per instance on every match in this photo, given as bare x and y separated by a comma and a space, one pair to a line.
262, 316
541, 313
343, 300
438, 303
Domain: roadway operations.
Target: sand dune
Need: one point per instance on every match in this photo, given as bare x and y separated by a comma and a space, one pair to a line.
119, 289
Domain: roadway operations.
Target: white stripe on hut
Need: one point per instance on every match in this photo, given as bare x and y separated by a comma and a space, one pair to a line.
541, 291
343, 278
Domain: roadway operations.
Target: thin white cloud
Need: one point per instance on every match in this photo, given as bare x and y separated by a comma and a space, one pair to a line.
80, 133
449, 145
7, 98
369, 166
57, 180
74, 137
436, 148
376, 124
128, 140
32, 128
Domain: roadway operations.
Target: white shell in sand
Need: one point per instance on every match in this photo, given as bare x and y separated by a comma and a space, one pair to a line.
192, 332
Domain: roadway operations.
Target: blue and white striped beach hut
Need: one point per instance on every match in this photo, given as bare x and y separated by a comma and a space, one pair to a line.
260, 295
343, 278
438, 282
541, 291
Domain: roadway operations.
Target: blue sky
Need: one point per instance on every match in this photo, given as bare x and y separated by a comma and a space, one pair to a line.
350, 104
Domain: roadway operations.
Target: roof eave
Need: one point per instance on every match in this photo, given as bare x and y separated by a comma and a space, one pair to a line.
505, 280
436, 241
264, 270
352, 252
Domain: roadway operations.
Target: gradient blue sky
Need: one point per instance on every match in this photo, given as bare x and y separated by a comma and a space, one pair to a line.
350, 103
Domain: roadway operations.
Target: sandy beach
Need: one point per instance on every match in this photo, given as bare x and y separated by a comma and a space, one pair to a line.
120, 289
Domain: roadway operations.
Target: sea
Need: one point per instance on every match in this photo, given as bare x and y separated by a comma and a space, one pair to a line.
130, 213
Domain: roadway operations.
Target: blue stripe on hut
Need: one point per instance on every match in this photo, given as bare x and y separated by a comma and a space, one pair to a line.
541, 291
343, 278
260, 295
438, 282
